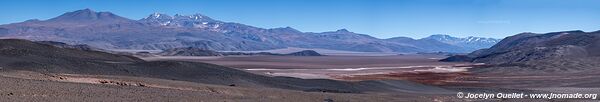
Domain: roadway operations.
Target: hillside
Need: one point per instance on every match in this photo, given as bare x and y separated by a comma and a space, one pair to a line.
558, 52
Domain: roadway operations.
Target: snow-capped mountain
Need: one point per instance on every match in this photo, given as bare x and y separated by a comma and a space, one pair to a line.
187, 21
159, 19
472, 43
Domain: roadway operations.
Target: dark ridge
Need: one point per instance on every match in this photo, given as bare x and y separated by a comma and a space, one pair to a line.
24, 49
189, 51
65, 45
458, 58
305, 53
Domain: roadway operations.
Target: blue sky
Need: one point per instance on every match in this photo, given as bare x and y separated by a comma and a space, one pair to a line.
379, 18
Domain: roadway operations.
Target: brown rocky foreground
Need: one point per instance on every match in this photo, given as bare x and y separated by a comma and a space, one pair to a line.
31, 86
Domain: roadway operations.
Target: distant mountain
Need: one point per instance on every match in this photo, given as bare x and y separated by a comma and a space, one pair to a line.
191, 21
88, 16
469, 43
160, 31
561, 52
431, 45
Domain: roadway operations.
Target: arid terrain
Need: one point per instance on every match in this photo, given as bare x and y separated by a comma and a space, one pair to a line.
89, 56
29, 73
330, 67
423, 69
31, 86
32, 71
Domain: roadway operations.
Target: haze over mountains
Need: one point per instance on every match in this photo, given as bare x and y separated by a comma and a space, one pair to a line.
160, 31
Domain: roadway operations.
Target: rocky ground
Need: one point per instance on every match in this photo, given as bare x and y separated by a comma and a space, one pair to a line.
32, 71
32, 86
363, 68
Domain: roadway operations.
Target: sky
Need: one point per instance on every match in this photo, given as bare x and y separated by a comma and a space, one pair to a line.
378, 18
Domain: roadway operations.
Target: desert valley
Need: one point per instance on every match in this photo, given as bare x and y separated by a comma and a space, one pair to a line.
85, 55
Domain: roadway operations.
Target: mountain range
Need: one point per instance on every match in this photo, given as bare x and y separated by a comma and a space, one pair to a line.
106, 30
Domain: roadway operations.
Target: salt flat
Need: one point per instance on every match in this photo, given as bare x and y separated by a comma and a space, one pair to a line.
325, 67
